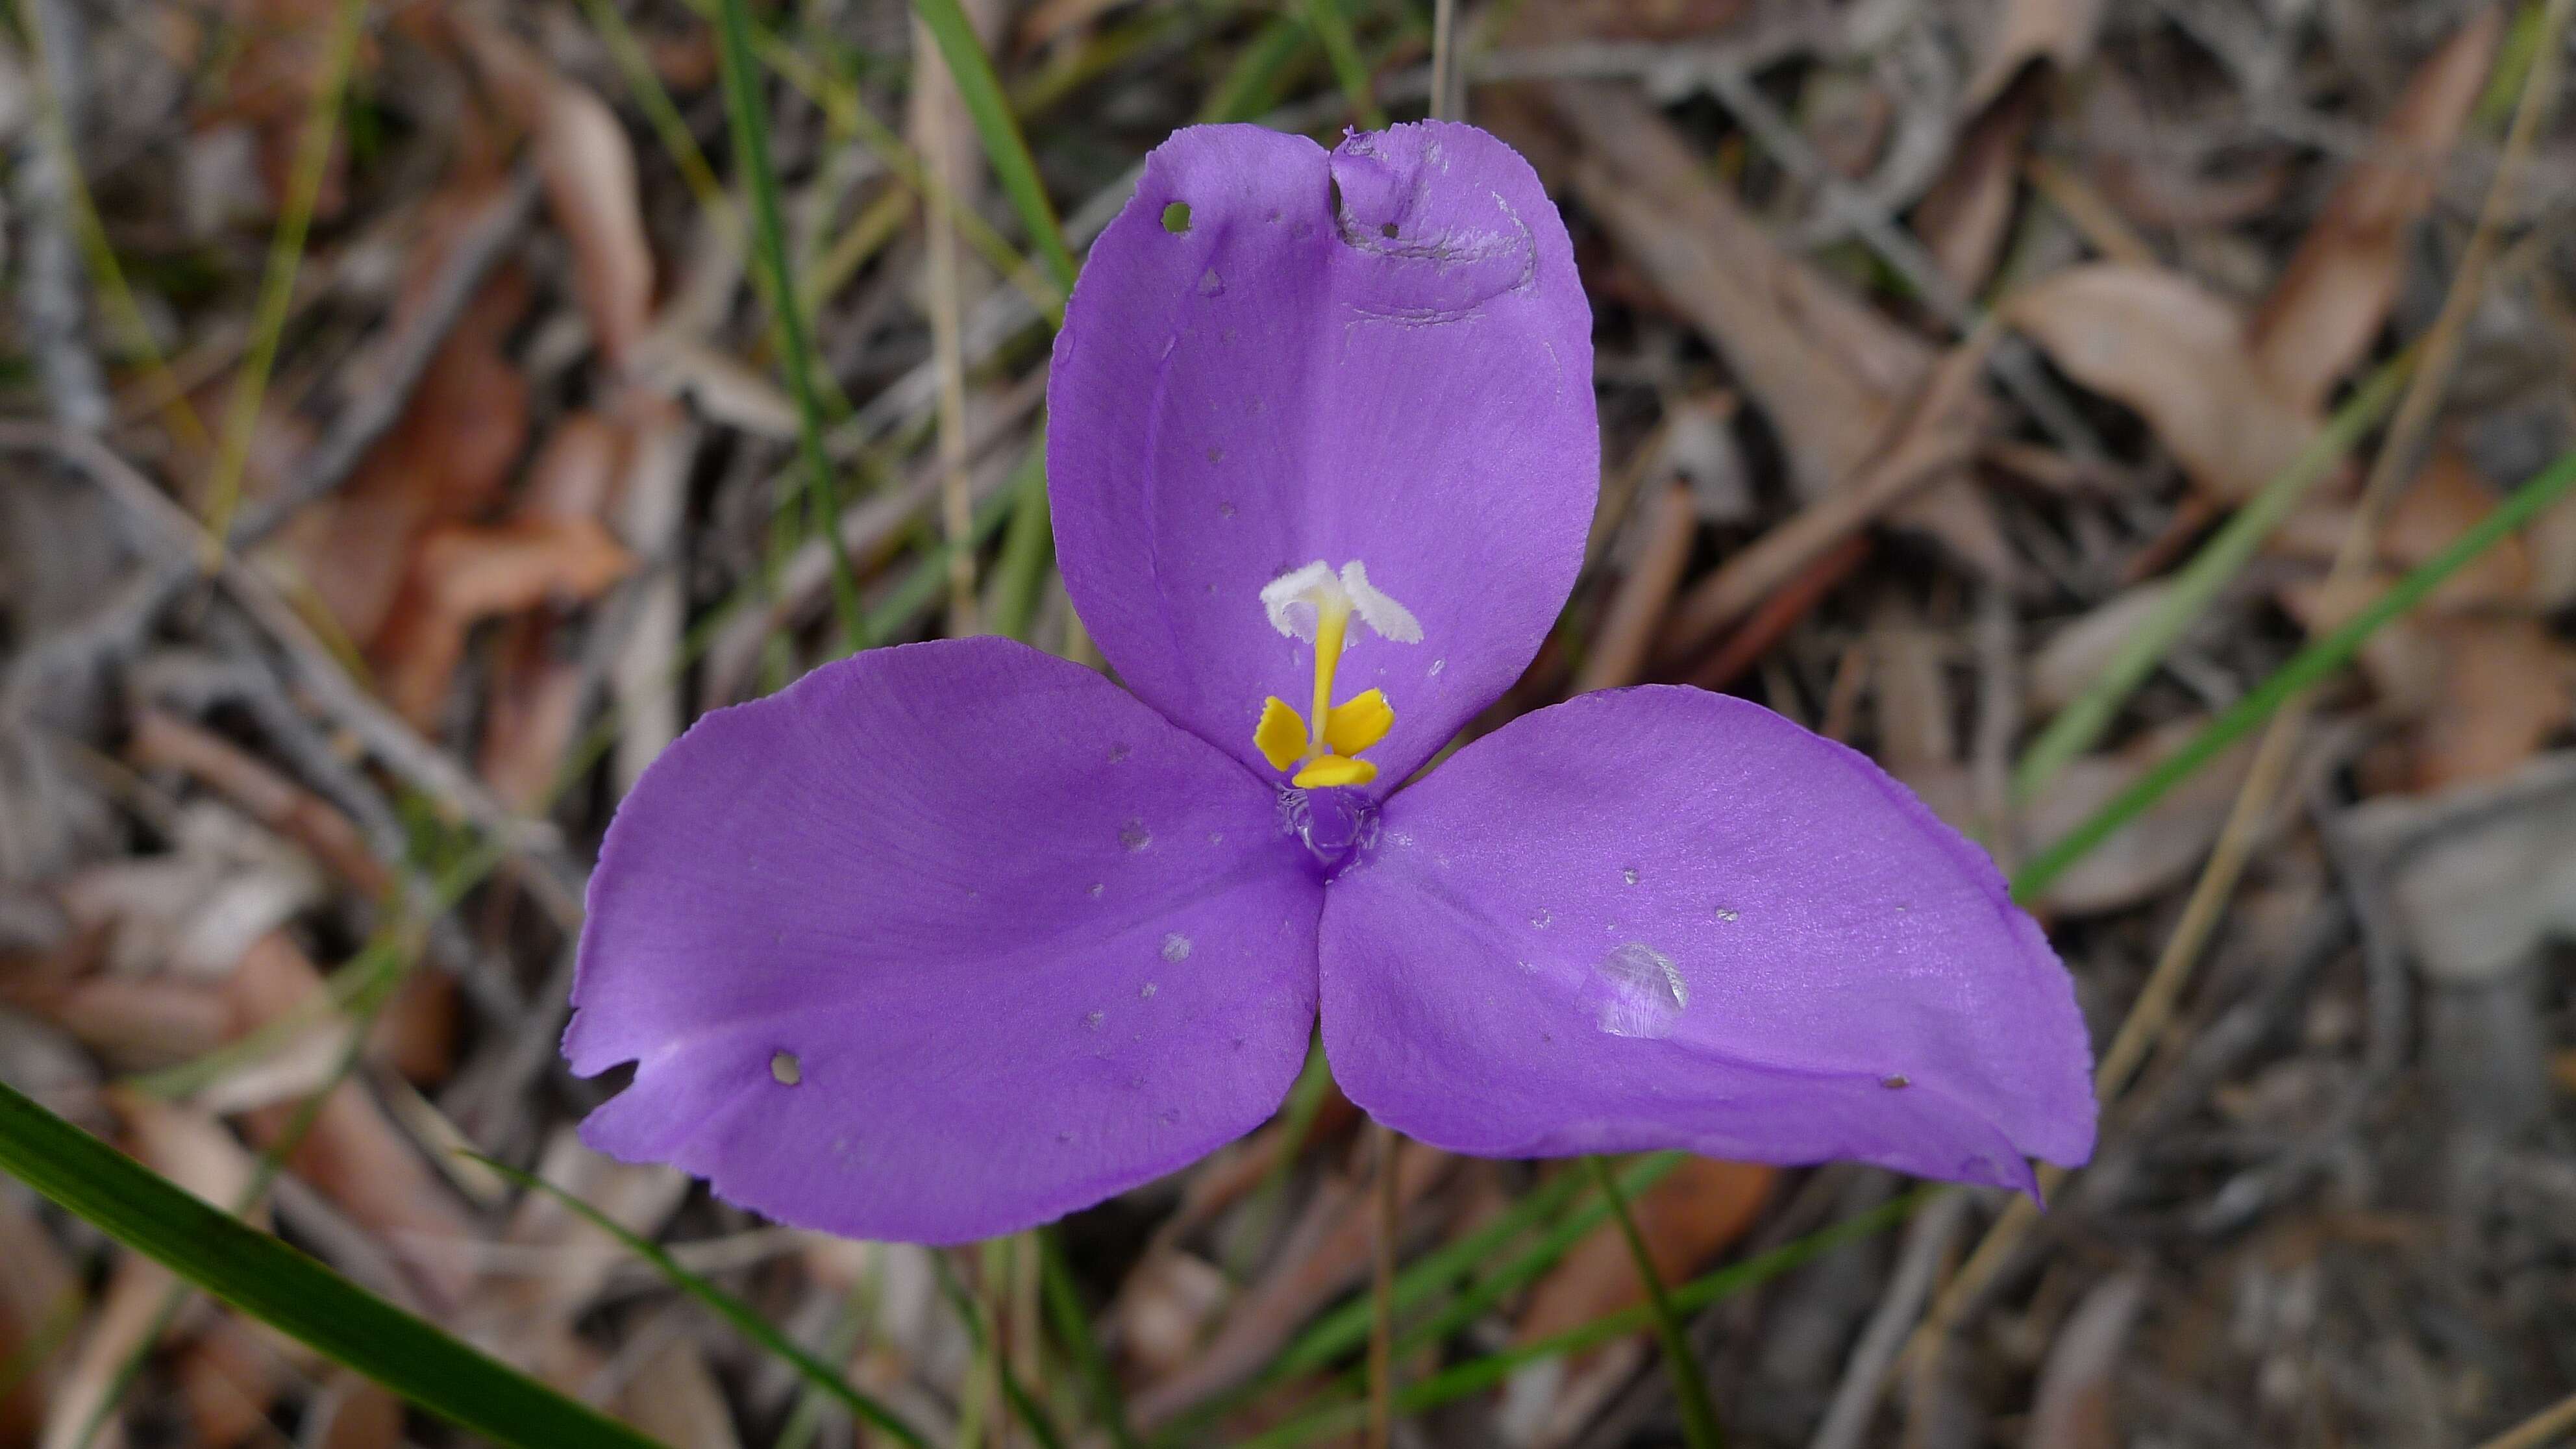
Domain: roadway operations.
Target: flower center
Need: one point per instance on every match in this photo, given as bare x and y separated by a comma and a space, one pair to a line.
1317, 605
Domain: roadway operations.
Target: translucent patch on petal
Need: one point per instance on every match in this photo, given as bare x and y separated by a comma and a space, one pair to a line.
1291, 599
1391, 620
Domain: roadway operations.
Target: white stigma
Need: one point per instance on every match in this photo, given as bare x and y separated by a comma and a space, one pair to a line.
1296, 600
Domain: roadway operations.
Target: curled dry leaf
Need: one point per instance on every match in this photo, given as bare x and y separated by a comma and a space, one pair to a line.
1967, 214
536, 700
588, 166
445, 459
2482, 874
2175, 352
2334, 297
2061, 31
465, 574
2482, 692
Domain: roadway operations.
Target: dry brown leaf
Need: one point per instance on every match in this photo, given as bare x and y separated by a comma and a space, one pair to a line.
2444, 501
2158, 849
2141, 170
465, 574
2550, 543
445, 459
588, 166
352, 1153
1832, 374
2507, 687
1692, 1214
1324, 1256
2175, 352
2061, 31
2072, 657
34, 1293
2072, 1408
674, 1398
2482, 875
354, 1413
162, 740
2483, 692
1967, 214
2334, 297
536, 700
227, 1377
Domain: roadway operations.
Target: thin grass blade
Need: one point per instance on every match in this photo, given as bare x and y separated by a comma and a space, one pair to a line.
1073, 1329
2322, 657
291, 1292
2078, 726
749, 122
1008, 151
1700, 1427
731, 1309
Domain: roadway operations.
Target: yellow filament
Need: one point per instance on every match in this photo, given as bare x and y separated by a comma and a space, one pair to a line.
1324, 756
1331, 620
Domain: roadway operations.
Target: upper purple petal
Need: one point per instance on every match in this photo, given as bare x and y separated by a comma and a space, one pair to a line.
1382, 353
1661, 917
1021, 943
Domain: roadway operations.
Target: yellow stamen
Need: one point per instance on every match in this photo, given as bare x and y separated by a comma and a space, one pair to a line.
1334, 770
1281, 735
1321, 748
1357, 723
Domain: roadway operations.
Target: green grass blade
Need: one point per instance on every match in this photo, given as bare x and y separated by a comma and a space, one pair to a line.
277, 284
1333, 28
1699, 1416
1031, 1415
1028, 545
1000, 130
1252, 85
750, 125
289, 1291
1073, 1329
731, 1309
2083, 722
2322, 657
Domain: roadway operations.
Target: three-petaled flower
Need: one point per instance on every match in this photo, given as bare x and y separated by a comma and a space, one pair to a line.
948, 939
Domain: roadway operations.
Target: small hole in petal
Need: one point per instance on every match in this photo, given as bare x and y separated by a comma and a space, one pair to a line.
1896, 1081
784, 1067
1176, 218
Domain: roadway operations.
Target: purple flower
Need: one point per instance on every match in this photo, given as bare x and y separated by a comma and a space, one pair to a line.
949, 939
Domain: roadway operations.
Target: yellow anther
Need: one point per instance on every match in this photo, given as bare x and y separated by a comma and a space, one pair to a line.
1334, 770
1281, 735
1357, 723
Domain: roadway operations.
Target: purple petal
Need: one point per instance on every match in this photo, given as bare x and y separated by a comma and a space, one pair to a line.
1406, 383
1018, 943
1666, 918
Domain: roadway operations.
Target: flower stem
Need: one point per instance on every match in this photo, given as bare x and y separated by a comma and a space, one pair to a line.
1390, 1213
1699, 1417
